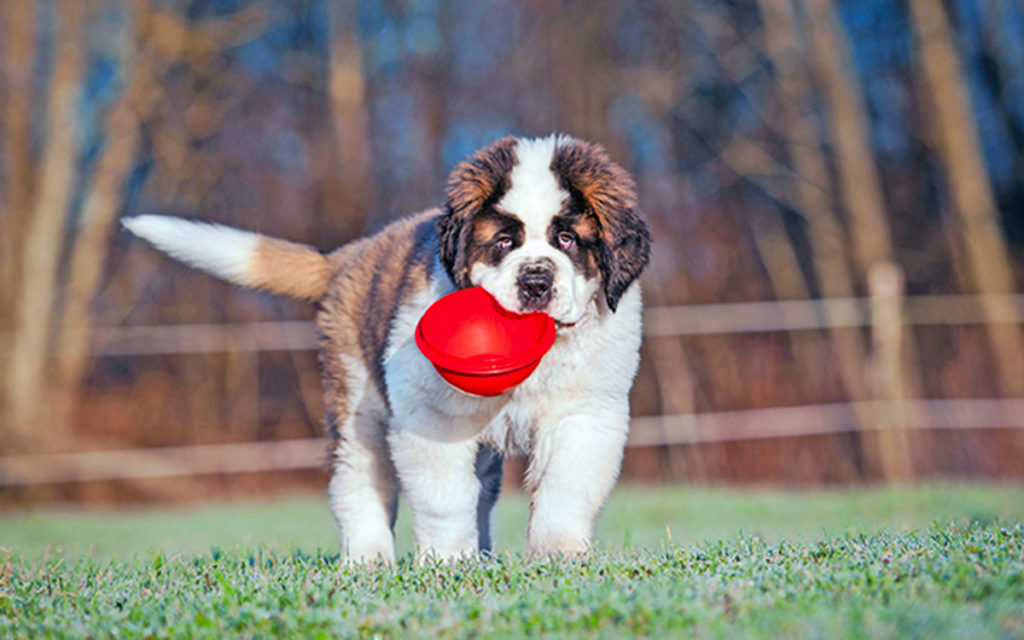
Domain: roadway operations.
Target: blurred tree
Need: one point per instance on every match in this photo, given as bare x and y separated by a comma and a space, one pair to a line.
351, 192
813, 187
781, 148
95, 225
860, 187
18, 23
36, 290
978, 227
868, 218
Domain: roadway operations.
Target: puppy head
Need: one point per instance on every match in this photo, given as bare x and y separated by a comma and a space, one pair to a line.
543, 225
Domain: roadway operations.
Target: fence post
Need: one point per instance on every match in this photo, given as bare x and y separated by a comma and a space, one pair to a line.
885, 284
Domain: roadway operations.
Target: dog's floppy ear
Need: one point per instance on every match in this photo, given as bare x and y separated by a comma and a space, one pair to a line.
609, 194
473, 184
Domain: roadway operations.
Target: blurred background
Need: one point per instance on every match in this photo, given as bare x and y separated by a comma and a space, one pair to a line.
836, 189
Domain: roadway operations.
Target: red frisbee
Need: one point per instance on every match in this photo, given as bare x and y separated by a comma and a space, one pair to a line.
478, 346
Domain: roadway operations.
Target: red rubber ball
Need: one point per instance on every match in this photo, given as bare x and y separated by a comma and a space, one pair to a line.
478, 346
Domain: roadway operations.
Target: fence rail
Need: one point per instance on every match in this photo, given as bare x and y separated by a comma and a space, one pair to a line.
648, 431
795, 315
311, 453
659, 322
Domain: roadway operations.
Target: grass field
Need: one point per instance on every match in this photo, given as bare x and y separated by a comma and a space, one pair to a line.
931, 561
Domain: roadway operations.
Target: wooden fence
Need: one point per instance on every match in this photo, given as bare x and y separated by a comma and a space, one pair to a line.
646, 431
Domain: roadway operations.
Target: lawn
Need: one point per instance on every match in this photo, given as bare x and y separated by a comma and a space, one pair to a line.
931, 561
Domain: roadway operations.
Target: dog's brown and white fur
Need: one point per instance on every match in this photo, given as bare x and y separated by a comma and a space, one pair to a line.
548, 224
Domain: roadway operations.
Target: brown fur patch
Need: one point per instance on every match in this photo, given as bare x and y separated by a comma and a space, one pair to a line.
373, 277
609, 195
490, 226
473, 184
289, 269
586, 252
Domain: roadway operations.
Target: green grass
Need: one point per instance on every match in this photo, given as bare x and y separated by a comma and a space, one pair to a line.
635, 517
932, 561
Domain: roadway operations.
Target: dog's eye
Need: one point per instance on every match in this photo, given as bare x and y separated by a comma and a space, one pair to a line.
504, 242
566, 240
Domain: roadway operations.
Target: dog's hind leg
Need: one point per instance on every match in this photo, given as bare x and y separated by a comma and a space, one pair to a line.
488, 471
364, 489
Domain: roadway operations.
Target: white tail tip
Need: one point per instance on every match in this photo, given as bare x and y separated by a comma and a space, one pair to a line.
218, 250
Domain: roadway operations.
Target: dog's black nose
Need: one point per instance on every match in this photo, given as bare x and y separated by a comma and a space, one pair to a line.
535, 283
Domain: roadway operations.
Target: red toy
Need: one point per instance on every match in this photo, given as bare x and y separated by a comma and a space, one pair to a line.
478, 346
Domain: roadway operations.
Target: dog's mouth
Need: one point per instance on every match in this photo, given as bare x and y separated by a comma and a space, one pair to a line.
538, 298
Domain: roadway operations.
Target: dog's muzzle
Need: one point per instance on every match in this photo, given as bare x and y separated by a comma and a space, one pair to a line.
535, 284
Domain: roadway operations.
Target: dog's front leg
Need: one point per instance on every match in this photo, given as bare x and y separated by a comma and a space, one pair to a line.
439, 481
573, 466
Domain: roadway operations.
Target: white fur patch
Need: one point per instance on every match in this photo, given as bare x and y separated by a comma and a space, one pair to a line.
534, 195
218, 250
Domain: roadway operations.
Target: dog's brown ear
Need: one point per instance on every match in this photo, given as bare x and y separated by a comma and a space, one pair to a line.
609, 194
472, 185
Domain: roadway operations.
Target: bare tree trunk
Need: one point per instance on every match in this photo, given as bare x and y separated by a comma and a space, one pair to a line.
813, 186
18, 37
974, 204
99, 211
860, 183
355, 195
38, 283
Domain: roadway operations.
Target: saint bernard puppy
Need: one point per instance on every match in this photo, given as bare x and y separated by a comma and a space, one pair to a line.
543, 225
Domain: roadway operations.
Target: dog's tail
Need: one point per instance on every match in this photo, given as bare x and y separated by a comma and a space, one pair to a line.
242, 257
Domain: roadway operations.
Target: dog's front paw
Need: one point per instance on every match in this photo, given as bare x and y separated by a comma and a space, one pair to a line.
444, 555
565, 545
369, 556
